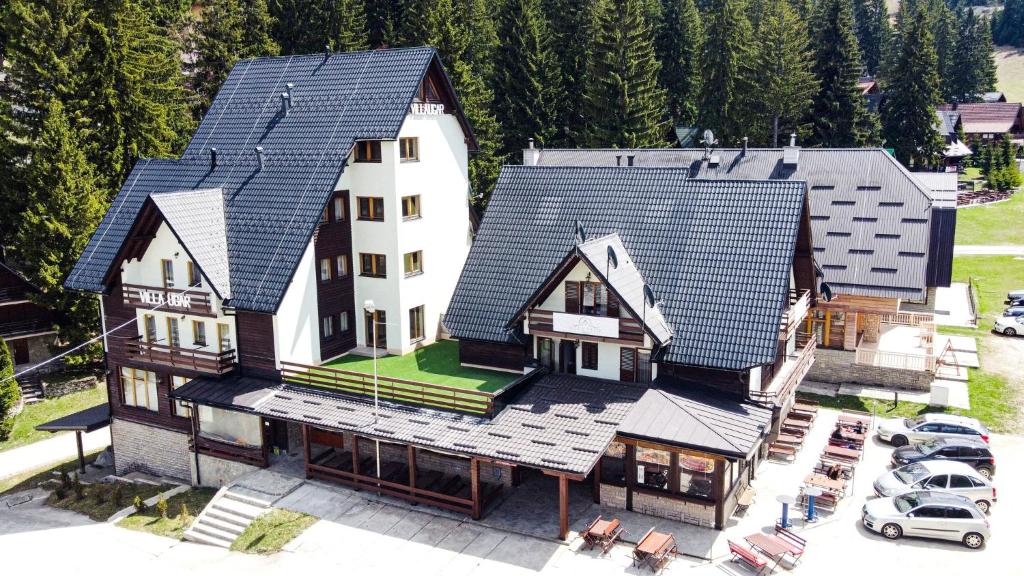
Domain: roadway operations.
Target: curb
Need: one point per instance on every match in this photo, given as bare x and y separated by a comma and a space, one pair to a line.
129, 510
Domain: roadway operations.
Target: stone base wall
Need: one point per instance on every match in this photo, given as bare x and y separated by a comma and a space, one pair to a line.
216, 472
870, 325
613, 496
39, 348
151, 450
429, 460
838, 367
64, 386
670, 508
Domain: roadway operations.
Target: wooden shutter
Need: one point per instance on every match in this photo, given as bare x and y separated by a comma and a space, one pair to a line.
613, 306
590, 355
572, 297
627, 364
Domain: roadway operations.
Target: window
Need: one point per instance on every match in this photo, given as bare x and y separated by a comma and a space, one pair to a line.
343, 322
138, 388
373, 265
178, 407
652, 468
325, 269
339, 209
224, 337
416, 323
325, 217
414, 263
589, 355
959, 513
368, 151
410, 207
173, 337
150, 323
230, 427
371, 208
341, 265
327, 327
199, 333
194, 278
613, 464
959, 481
168, 272
695, 475
410, 149
937, 481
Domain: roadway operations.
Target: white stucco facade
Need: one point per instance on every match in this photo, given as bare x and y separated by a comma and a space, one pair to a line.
296, 328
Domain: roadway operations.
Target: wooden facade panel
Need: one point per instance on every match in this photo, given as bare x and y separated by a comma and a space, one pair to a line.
256, 354
727, 381
506, 356
337, 295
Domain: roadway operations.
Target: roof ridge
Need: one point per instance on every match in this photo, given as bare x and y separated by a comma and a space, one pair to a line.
350, 53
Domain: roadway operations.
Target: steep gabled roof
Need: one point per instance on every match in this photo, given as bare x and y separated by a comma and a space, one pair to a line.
708, 248
270, 212
987, 117
197, 219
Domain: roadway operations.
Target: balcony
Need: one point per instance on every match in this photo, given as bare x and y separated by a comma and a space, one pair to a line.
187, 301
593, 328
789, 376
176, 357
799, 305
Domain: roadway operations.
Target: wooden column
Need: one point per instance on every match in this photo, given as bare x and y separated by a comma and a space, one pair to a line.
718, 492
673, 472
355, 457
411, 457
81, 453
563, 507
630, 475
474, 482
597, 482
305, 445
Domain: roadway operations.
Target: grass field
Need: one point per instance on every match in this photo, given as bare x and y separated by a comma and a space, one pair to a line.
97, 501
270, 532
32, 478
992, 224
24, 431
993, 277
1010, 72
174, 525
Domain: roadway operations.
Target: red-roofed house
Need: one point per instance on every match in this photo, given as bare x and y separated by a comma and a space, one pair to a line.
990, 120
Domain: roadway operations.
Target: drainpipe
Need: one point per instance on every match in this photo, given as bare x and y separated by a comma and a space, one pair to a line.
195, 445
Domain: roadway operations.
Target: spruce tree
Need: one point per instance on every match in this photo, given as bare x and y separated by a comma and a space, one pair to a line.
1008, 23
483, 36
873, 32
527, 81
626, 106
970, 69
839, 116
572, 26
66, 204
383, 22
300, 26
9, 391
346, 25
679, 45
229, 30
725, 62
785, 84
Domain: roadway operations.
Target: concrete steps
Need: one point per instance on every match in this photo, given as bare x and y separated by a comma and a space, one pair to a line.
227, 516
31, 388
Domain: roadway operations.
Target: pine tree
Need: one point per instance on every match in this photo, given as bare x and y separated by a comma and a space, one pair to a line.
1008, 23
726, 58
383, 22
572, 26
483, 37
873, 32
840, 118
786, 84
229, 30
970, 69
346, 25
527, 79
9, 391
65, 206
300, 26
626, 106
908, 114
679, 47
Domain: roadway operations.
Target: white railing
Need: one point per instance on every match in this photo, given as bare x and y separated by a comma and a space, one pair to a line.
900, 360
906, 318
799, 305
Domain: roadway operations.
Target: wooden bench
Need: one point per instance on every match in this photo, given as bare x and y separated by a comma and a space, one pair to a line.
797, 544
790, 439
783, 450
826, 500
748, 557
746, 498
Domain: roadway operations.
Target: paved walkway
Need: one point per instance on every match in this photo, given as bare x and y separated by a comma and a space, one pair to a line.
49, 451
988, 250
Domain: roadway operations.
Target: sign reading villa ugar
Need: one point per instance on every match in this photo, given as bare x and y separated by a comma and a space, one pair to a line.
599, 326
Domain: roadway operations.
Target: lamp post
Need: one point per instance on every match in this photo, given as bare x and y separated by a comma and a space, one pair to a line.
371, 309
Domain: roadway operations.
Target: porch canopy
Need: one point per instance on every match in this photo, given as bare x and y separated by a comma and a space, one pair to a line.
88, 420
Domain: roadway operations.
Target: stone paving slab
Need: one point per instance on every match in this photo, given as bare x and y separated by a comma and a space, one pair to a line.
958, 395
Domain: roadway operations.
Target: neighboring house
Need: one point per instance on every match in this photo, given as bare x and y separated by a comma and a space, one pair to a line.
944, 187
27, 327
871, 92
988, 121
949, 126
990, 97
881, 240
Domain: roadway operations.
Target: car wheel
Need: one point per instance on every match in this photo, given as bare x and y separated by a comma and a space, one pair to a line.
898, 441
974, 540
986, 472
893, 531
1009, 332
983, 506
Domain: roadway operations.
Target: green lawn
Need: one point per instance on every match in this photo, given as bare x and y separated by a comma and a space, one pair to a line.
32, 478
270, 532
1010, 72
434, 364
998, 223
98, 502
24, 431
174, 525
883, 408
992, 277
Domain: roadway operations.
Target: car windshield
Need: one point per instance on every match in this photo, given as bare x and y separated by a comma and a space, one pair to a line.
906, 502
911, 473
911, 422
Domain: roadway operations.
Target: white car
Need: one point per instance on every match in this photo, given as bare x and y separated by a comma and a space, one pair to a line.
1009, 325
903, 431
928, 515
941, 475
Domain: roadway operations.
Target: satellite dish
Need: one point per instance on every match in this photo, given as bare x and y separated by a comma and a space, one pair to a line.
649, 295
826, 292
613, 260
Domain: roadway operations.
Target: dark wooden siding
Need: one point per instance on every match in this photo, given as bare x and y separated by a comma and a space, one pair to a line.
337, 295
803, 258
507, 356
256, 354
730, 382
940, 246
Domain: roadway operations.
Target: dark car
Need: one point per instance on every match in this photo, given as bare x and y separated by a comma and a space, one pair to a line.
976, 453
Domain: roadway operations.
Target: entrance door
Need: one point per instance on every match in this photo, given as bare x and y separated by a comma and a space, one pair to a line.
20, 350
279, 435
380, 319
567, 357
545, 354
627, 364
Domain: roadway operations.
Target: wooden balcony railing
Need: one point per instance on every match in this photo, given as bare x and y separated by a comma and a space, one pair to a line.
596, 328
799, 305
408, 391
253, 455
790, 375
189, 301
197, 360
898, 360
906, 318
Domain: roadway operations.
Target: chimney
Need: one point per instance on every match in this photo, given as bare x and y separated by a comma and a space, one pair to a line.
289, 86
285, 103
618, 159
629, 160
792, 139
213, 158
327, 52
531, 155
745, 140
791, 153
259, 156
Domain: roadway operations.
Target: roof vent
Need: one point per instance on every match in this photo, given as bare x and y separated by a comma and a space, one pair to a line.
289, 86
629, 160
213, 158
531, 155
327, 52
745, 141
286, 103
791, 153
618, 159
714, 160
259, 156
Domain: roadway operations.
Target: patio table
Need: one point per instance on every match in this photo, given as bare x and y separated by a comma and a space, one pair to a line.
789, 439
796, 423
772, 546
653, 548
602, 533
846, 418
826, 483
840, 453
850, 435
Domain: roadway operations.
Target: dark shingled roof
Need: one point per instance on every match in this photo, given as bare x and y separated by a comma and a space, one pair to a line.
270, 214
707, 248
86, 420
870, 218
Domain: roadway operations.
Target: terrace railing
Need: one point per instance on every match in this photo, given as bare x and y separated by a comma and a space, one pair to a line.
898, 360
799, 305
600, 328
906, 318
407, 391
197, 360
789, 376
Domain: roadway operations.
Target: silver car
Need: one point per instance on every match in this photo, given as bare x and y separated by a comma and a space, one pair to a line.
942, 475
1009, 325
927, 515
903, 431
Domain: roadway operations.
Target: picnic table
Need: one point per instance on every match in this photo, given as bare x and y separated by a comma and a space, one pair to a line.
797, 423
653, 549
772, 546
850, 435
789, 439
848, 418
826, 483
840, 453
602, 533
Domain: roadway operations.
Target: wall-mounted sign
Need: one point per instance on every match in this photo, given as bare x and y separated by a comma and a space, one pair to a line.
156, 298
600, 326
430, 108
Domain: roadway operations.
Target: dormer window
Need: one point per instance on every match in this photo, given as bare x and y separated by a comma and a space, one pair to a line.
368, 151
194, 277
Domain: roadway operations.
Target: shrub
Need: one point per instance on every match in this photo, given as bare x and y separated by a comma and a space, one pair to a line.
99, 495
161, 507
65, 480
78, 487
10, 393
184, 515
140, 505
117, 496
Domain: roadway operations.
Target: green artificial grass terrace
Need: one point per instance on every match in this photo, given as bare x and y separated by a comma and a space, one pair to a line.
437, 363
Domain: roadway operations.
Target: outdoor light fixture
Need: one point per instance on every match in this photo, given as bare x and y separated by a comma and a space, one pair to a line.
371, 309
